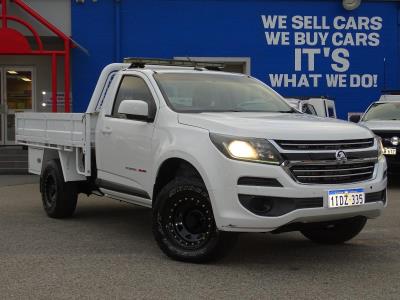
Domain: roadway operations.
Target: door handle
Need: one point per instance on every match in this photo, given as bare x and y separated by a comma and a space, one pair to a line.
106, 130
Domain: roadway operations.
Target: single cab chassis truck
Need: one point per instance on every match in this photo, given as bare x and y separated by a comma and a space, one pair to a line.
212, 153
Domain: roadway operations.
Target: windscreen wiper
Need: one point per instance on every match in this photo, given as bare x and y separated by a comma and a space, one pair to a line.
287, 111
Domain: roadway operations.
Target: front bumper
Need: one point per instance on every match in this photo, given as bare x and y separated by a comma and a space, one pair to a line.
231, 215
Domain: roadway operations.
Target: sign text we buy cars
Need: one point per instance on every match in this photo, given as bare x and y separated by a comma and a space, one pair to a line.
322, 42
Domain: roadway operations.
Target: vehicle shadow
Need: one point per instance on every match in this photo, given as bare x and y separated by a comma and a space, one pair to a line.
128, 228
294, 252
113, 216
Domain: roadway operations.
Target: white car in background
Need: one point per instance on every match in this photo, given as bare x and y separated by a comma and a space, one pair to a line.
383, 118
317, 106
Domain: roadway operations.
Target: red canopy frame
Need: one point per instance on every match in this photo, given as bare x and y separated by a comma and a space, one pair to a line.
14, 43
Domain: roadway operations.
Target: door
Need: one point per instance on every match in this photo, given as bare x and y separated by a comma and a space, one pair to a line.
17, 95
124, 146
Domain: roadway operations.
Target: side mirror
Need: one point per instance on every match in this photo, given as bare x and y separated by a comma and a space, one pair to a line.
134, 109
355, 118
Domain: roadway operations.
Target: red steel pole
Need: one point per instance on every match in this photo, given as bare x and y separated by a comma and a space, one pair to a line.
67, 73
4, 13
54, 83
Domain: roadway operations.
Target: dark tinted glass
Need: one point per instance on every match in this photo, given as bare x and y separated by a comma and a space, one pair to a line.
331, 112
133, 88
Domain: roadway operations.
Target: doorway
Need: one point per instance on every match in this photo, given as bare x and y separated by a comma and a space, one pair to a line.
16, 95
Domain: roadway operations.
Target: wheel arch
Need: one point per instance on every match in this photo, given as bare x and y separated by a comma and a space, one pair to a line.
174, 166
68, 163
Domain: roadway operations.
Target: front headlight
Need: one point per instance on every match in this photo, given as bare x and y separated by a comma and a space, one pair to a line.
380, 147
247, 149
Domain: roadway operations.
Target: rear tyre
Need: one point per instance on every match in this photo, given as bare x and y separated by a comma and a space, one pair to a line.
184, 225
59, 197
336, 232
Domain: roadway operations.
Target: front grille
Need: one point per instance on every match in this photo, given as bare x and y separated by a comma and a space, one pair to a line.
325, 145
317, 162
324, 173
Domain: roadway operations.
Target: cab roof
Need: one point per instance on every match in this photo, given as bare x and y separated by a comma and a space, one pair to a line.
162, 65
389, 98
151, 69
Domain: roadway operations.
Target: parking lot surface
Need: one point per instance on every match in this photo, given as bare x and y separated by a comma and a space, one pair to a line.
107, 251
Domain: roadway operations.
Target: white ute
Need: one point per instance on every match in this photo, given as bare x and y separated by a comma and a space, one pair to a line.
321, 107
212, 153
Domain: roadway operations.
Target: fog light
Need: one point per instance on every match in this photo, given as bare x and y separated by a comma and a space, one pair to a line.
261, 205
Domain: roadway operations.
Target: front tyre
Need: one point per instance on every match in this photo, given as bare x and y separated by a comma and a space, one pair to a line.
59, 197
184, 225
336, 232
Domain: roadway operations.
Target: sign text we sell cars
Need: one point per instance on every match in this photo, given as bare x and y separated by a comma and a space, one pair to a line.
317, 40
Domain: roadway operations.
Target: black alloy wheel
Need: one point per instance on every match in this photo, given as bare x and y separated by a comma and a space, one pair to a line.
190, 221
184, 225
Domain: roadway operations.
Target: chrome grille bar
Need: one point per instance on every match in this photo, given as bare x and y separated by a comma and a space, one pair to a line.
325, 145
333, 170
336, 175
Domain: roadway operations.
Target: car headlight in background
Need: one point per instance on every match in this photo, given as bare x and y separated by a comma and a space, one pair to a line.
380, 147
394, 140
247, 149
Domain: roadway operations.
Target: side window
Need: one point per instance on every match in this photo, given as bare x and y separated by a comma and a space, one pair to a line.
309, 109
133, 88
105, 90
331, 112
313, 110
304, 109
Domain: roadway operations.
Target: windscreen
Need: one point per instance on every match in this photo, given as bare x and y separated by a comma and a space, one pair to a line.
383, 111
191, 92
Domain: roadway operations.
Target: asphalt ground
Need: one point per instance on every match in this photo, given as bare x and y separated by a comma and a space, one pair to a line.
107, 251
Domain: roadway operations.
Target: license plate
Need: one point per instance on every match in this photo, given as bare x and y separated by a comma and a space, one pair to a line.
389, 151
345, 198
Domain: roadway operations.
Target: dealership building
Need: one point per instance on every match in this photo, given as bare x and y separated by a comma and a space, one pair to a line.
51, 52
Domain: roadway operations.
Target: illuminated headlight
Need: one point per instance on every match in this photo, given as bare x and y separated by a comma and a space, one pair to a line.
247, 149
394, 140
380, 147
